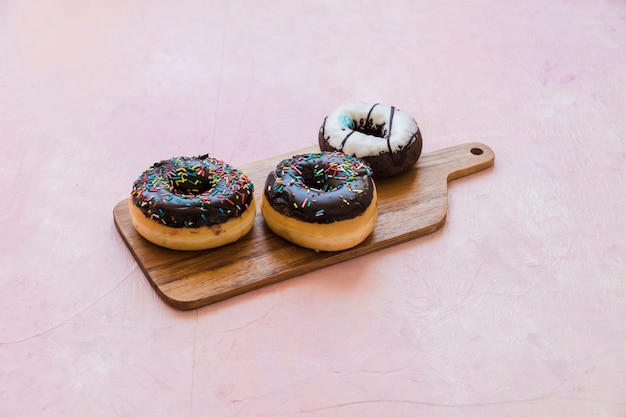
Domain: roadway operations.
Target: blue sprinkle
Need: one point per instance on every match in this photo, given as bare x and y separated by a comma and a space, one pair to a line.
346, 120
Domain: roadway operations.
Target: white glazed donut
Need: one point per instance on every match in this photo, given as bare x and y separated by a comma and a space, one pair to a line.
385, 137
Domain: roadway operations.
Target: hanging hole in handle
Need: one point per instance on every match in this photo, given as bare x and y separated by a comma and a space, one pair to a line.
476, 151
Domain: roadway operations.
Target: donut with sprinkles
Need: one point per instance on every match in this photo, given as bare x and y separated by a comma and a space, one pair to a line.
192, 203
325, 201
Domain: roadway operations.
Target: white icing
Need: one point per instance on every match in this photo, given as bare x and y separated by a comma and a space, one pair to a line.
338, 126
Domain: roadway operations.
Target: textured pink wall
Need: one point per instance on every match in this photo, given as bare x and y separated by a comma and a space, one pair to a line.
514, 308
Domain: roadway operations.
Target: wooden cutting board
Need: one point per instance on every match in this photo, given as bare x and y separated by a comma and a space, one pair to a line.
409, 206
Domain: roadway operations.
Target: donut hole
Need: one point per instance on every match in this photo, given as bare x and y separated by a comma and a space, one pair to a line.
186, 181
368, 127
316, 179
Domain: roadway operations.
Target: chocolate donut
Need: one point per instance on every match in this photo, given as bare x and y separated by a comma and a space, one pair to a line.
388, 139
189, 201
323, 201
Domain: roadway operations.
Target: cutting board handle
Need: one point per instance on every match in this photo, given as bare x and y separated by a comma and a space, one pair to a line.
460, 160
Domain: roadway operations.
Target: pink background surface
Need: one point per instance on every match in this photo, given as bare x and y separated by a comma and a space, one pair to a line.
515, 307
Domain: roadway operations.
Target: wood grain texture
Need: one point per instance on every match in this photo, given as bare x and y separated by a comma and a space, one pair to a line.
411, 205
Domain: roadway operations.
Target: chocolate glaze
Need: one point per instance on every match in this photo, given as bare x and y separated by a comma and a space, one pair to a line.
320, 187
192, 192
